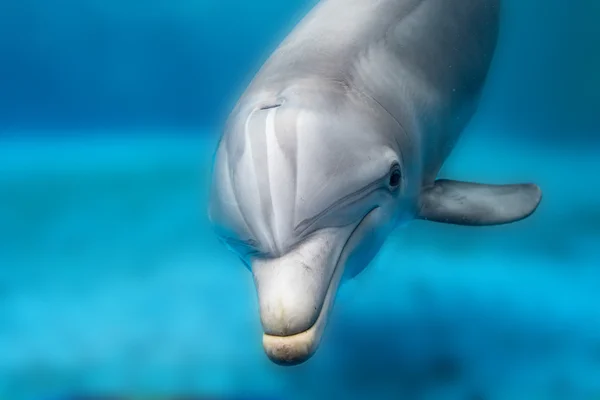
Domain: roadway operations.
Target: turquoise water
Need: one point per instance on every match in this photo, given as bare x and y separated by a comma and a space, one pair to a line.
111, 281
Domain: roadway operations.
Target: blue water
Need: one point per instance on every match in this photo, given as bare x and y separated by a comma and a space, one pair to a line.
111, 281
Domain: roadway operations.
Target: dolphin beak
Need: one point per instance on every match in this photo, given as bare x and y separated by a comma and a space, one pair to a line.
296, 292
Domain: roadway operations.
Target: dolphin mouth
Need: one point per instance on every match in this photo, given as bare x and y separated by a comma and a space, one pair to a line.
297, 348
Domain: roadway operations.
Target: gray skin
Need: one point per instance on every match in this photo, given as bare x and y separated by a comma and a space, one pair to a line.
339, 139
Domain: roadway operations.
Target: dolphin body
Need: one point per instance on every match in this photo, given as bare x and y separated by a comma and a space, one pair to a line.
339, 139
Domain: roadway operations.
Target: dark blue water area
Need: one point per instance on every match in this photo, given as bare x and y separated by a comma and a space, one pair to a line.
111, 280
71, 64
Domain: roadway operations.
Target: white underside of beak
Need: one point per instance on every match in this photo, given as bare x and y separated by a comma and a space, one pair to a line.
296, 292
295, 349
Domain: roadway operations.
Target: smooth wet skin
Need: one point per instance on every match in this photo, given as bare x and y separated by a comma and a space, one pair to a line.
339, 139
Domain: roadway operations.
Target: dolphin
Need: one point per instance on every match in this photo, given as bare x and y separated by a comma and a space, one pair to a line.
339, 138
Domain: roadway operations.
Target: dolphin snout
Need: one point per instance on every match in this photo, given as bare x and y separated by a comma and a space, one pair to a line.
290, 295
295, 292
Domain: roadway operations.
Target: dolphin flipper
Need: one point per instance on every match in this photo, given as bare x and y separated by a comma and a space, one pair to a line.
475, 204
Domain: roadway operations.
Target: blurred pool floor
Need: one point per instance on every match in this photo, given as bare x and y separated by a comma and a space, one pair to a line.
111, 281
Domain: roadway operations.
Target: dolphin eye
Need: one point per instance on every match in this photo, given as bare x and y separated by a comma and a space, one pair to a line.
395, 177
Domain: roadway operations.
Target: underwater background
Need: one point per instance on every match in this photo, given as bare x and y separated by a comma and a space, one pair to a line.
111, 281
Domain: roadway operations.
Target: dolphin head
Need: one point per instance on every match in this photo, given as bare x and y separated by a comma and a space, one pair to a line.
305, 197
